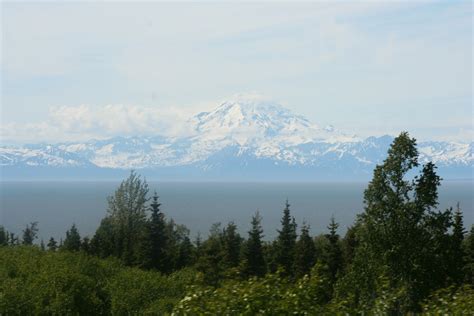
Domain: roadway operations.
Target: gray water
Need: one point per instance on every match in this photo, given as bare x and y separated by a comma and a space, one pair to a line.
56, 205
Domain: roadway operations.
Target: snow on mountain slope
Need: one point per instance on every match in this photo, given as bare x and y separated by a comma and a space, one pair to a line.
248, 119
42, 156
245, 131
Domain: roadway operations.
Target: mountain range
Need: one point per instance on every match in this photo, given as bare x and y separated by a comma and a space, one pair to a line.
247, 138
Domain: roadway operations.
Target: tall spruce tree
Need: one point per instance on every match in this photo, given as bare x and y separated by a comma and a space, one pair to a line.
72, 242
211, 260
286, 241
186, 253
468, 247
86, 245
3, 236
349, 245
52, 244
305, 252
333, 252
253, 263
103, 242
231, 243
30, 233
458, 255
157, 238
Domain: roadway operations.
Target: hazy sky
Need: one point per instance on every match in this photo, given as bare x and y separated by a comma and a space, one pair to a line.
97, 69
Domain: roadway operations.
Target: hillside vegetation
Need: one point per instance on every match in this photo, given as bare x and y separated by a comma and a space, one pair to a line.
401, 256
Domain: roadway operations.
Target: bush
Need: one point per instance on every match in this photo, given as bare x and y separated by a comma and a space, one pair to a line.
451, 301
35, 282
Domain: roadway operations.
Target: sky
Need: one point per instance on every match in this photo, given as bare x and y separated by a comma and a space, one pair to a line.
78, 70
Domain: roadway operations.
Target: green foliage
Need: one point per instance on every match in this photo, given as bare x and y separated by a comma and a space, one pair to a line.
468, 247
285, 245
157, 244
253, 263
72, 242
212, 255
127, 219
133, 291
35, 282
457, 256
232, 243
399, 234
30, 233
305, 253
349, 245
450, 301
4, 235
400, 257
333, 254
270, 295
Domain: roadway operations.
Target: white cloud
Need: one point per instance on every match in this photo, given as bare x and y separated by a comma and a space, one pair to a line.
351, 64
84, 122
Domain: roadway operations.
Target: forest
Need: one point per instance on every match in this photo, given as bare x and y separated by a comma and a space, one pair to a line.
401, 256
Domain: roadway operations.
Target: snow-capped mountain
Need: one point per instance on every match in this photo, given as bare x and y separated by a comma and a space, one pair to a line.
247, 137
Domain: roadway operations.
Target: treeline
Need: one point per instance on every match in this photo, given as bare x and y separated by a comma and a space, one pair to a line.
400, 256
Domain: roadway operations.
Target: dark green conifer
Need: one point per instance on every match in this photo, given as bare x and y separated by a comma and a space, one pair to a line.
333, 252
72, 242
286, 241
468, 247
211, 260
4, 236
456, 248
52, 244
253, 263
157, 236
305, 252
86, 245
186, 253
30, 233
231, 244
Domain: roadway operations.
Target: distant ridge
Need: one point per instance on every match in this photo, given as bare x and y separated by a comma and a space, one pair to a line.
246, 137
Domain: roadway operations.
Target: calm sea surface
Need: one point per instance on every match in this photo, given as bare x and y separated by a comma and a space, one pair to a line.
56, 205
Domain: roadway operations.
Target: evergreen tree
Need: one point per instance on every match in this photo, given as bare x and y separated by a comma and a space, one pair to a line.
231, 244
468, 247
30, 233
178, 239
103, 243
198, 246
158, 238
85, 245
52, 244
42, 247
13, 240
4, 236
186, 253
333, 253
286, 241
305, 252
72, 242
211, 260
254, 262
458, 256
349, 245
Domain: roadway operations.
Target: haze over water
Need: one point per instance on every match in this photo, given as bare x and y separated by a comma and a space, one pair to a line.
56, 205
